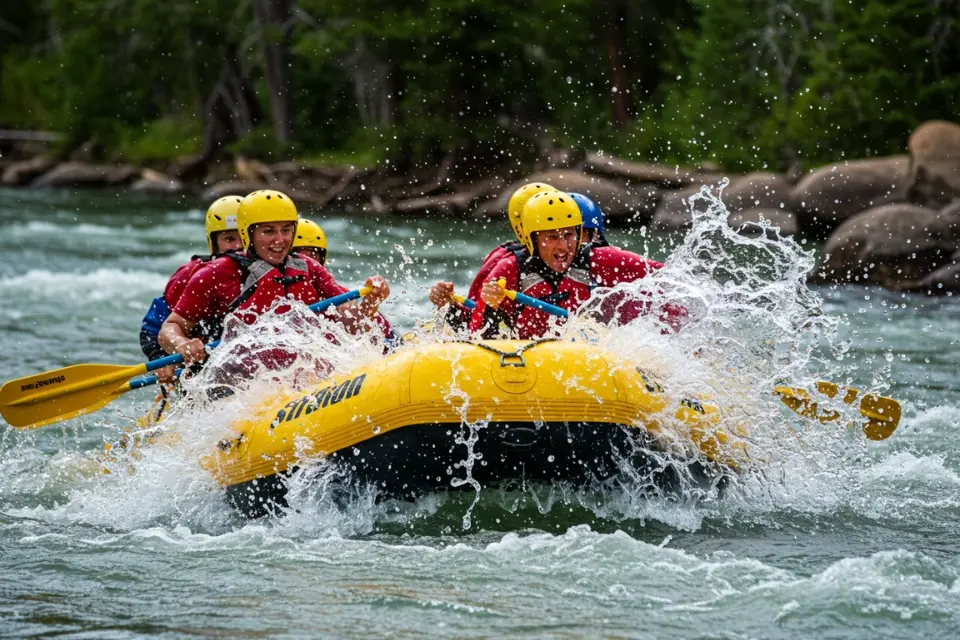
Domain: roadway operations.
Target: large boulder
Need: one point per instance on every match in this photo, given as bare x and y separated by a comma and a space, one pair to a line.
831, 194
766, 191
674, 211
943, 281
934, 163
946, 279
617, 203
763, 222
79, 174
248, 170
671, 177
758, 190
893, 245
22, 172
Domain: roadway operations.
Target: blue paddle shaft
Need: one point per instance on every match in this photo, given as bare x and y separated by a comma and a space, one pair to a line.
139, 383
317, 307
469, 304
546, 307
146, 381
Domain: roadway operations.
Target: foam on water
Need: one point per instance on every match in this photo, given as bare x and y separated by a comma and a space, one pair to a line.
752, 322
95, 286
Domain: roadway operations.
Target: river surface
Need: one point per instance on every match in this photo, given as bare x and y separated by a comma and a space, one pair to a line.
845, 539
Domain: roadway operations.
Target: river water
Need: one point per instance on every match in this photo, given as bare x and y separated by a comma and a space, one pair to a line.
841, 538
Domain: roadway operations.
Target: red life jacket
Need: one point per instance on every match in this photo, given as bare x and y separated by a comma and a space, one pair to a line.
265, 284
502, 251
595, 266
178, 281
569, 291
262, 286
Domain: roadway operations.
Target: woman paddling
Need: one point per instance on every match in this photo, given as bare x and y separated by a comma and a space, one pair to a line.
252, 282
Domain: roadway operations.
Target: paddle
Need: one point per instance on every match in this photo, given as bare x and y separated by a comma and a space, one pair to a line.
882, 413
465, 301
45, 398
524, 299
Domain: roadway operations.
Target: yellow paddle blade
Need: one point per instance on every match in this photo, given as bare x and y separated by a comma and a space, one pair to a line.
41, 399
882, 413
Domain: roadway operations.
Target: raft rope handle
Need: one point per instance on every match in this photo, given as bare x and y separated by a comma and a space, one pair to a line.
508, 354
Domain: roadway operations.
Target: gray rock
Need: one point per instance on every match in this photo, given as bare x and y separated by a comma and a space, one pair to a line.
757, 191
934, 163
674, 212
893, 245
769, 222
617, 203
943, 281
831, 194
610, 166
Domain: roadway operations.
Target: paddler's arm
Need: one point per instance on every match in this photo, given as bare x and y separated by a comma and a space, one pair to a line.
441, 293
457, 315
489, 318
357, 314
612, 265
174, 338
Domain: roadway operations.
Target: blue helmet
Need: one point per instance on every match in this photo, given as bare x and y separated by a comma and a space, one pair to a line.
592, 216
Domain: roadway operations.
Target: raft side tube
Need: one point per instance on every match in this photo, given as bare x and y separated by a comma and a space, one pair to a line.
512, 385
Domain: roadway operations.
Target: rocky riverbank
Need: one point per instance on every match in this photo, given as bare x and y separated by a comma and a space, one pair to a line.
889, 221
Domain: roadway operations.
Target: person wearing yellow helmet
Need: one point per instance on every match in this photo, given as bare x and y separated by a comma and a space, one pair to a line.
251, 282
553, 268
222, 236
441, 293
311, 241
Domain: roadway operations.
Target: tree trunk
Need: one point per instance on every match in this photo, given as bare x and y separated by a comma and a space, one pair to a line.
273, 17
231, 109
614, 44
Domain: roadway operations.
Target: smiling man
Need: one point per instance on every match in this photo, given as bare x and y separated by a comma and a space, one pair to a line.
556, 269
250, 282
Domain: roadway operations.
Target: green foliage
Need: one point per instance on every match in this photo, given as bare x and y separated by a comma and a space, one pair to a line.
871, 82
159, 140
766, 84
261, 143
746, 83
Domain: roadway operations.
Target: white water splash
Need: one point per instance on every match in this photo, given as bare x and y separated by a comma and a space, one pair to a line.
752, 322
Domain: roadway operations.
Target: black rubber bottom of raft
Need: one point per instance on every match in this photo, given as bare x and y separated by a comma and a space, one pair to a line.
420, 459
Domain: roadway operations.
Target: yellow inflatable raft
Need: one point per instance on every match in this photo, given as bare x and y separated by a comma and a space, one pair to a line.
505, 411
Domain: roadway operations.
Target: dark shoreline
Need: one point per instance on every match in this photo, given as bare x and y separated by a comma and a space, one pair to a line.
891, 221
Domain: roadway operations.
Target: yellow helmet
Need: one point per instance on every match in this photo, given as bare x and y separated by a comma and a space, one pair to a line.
264, 206
221, 216
517, 202
546, 211
311, 236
